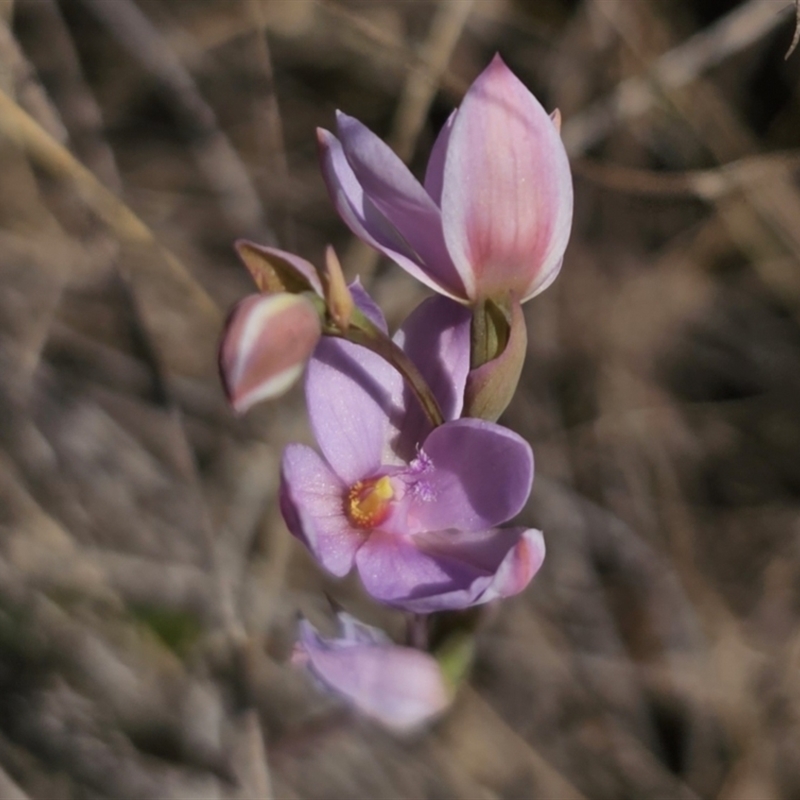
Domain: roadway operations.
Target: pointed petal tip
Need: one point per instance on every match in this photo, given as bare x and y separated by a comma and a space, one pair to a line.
342, 118
498, 67
324, 140
507, 191
518, 568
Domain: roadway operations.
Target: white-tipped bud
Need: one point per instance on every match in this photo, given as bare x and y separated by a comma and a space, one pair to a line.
266, 343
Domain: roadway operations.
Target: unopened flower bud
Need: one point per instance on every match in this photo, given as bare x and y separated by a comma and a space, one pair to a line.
266, 343
493, 216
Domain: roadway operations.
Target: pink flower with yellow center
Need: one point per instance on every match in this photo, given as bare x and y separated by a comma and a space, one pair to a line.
413, 508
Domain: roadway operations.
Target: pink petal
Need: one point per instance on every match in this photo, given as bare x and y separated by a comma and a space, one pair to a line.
471, 475
311, 499
399, 687
402, 222
518, 568
396, 572
450, 569
507, 194
436, 337
389, 184
265, 345
354, 401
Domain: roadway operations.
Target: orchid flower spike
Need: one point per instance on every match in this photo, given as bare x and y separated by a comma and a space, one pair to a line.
493, 218
399, 687
414, 508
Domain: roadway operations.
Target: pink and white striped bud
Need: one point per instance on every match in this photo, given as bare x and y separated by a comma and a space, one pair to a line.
266, 343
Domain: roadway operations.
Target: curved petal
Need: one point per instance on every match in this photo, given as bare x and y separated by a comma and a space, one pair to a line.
436, 336
398, 195
471, 475
450, 569
519, 566
434, 172
363, 217
311, 500
399, 687
507, 193
395, 571
354, 402
265, 345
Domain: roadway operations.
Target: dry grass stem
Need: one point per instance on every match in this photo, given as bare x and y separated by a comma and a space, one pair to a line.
422, 83
216, 157
46, 152
634, 96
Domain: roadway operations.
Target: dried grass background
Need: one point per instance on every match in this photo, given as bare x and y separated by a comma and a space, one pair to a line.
148, 587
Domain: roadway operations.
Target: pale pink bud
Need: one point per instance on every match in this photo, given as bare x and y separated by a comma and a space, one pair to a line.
265, 345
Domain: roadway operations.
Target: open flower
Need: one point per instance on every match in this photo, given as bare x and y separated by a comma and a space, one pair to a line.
413, 508
493, 218
399, 687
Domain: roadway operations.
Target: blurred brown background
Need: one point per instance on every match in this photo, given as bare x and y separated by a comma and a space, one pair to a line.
148, 587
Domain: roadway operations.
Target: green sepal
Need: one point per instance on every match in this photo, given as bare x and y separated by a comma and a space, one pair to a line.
270, 272
499, 330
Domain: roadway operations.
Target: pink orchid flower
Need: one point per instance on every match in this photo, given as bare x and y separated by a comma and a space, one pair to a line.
414, 508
